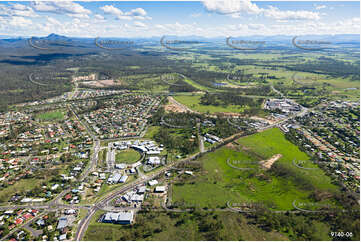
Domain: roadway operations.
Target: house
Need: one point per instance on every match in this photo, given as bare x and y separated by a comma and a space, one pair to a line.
77, 169
141, 190
115, 178
68, 196
123, 179
153, 182
9, 212
120, 166
40, 222
19, 221
159, 189
74, 190
137, 198
62, 237
54, 187
27, 216
63, 222
70, 211
189, 173
153, 160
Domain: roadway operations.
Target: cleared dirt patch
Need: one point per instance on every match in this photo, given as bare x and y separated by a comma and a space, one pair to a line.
263, 120
267, 164
176, 107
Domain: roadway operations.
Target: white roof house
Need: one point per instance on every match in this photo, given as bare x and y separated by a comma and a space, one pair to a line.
54, 187
137, 198
123, 179
120, 166
160, 189
141, 190
115, 178
153, 182
153, 160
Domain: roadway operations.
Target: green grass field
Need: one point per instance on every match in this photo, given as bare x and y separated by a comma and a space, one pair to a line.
127, 156
219, 183
151, 131
193, 103
51, 116
19, 187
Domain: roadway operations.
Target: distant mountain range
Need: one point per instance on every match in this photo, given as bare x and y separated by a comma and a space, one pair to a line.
333, 38
86, 43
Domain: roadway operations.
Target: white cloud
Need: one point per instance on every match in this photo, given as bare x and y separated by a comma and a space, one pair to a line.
16, 10
139, 24
231, 6
318, 7
19, 21
69, 8
53, 21
235, 8
277, 14
137, 13
78, 15
98, 17
81, 25
110, 9
256, 26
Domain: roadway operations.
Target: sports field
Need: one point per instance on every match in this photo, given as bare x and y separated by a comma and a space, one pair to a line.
128, 156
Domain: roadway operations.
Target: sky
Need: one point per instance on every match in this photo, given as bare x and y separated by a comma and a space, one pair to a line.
208, 18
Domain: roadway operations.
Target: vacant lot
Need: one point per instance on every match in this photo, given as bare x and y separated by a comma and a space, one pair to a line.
18, 188
51, 116
160, 226
192, 102
276, 188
